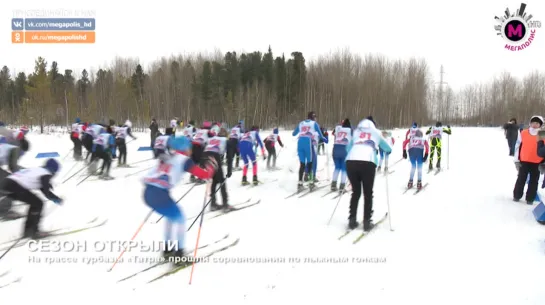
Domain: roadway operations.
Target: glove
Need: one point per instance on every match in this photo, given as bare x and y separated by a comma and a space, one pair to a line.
229, 173
57, 201
264, 156
517, 165
325, 140
404, 154
425, 158
542, 169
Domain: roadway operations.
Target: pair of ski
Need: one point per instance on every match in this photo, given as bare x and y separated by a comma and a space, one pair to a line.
209, 250
436, 172
95, 223
364, 233
418, 190
306, 190
236, 207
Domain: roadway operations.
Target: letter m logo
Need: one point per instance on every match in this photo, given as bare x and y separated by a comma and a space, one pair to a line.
511, 31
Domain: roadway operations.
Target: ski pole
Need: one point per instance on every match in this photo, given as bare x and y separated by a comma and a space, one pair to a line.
199, 233
133, 237
388, 201
11, 247
84, 167
204, 207
143, 170
70, 170
338, 201
67, 154
142, 161
194, 185
448, 151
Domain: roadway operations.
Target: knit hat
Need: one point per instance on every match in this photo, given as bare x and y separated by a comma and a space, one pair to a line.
537, 119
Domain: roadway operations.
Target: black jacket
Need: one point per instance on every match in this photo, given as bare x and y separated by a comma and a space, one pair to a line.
511, 131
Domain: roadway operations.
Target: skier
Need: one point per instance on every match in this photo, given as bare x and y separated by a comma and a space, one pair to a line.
435, 134
120, 136
199, 143
305, 129
527, 161
162, 142
154, 128
418, 148
102, 149
411, 131
385, 156
91, 133
19, 186
232, 147
75, 138
190, 130
315, 139
511, 129
246, 144
215, 148
343, 136
270, 142
162, 178
11, 150
361, 163
174, 123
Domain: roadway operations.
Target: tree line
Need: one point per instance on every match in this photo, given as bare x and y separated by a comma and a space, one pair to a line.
263, 90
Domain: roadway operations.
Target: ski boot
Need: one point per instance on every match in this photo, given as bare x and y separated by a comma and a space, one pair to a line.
438, 166
180, 258
341, 188
386, 169
334, 186
245, 180
431, 166
368, 225
410, 184
255, 182
300, 186
227, 207
214, 206
200, 181
379, 169
305, 177
352, 223
419, 185
192, 179
168, 253
311, 184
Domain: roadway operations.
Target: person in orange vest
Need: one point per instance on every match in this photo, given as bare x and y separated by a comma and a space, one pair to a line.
527, 161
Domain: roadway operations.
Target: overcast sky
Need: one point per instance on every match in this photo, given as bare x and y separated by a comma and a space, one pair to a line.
457, 34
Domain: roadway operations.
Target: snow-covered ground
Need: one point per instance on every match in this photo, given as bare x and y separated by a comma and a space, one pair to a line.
460, 241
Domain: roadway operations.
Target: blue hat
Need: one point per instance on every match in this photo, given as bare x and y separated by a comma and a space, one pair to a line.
275, 131
415, 125
78, 120
180, 143
52, 166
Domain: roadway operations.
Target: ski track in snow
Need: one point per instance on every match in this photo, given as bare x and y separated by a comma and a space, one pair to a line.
462, 240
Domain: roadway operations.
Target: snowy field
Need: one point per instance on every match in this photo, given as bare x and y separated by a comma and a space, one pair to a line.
462, 240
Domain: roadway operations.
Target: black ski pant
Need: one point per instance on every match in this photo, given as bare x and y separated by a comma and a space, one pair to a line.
5, 203
16, 192
511, 143
77, 147
232, 151
219, 178
196, 155
122, 146
87, 141
526, 169
361, 175
106, 157
271, 151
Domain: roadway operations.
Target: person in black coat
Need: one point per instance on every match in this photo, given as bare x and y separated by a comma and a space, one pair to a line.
511, 129
154, 128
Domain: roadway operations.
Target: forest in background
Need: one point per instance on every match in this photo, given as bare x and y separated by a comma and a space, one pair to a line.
263, 90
